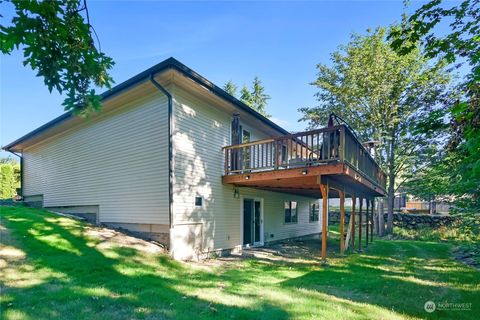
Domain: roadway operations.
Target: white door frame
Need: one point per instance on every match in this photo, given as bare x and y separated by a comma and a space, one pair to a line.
262, 240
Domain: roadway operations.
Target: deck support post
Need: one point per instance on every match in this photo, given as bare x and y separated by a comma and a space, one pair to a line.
342, 221
352, 217
324, 192
367, 224
371, 230
360, 214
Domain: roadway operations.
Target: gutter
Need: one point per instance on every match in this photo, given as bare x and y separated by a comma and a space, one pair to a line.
170, 153
21, 170
162, 66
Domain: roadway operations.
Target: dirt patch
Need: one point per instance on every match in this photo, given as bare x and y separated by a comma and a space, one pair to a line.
288, 251
110, 237
306, 251
467, 255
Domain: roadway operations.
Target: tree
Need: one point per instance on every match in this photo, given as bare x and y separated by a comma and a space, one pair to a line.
10, 177
259, 97
384, 96
429, 181
231, 88
460, 47
7, 179
256, 99
57, 42
246, 96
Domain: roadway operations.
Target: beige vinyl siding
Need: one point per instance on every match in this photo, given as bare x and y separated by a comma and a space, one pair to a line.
118, 160
273, 207
200, 132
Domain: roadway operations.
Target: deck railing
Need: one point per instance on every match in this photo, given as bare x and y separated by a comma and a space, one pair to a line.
304, 149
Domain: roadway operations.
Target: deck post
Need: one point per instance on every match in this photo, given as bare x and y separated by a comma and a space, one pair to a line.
342, 144
275, 152
342, 221
360, 214
367, 229
226, 162
352, 217
371, 230
324, 192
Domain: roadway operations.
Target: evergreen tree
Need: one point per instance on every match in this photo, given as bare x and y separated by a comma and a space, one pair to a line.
246, 96
258, 97
231, 88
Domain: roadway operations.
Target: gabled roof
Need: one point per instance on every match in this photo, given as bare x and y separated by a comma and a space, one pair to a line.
170, 63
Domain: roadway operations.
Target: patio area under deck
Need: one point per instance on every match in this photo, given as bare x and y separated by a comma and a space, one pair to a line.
324, 163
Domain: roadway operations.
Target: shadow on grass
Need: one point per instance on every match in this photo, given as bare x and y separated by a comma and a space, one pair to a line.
81, 281
116, 283
399, 276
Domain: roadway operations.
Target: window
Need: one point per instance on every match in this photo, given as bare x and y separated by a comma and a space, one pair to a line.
198, 201
314, 210
245, 136
290, 212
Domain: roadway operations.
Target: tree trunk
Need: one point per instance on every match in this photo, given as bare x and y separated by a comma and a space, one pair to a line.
380, 219
391, 184
390, 202
432, 206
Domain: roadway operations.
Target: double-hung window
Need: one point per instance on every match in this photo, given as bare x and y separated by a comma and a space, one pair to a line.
314, 211
290, 212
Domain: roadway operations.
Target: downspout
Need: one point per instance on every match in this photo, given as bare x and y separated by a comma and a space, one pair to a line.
170, 154
21, 171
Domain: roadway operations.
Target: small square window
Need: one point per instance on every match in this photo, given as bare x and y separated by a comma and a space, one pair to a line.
198, 201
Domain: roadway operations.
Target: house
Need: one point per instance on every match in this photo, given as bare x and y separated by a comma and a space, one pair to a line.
175, 157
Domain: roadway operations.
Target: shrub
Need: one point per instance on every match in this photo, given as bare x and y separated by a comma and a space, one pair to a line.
7, 181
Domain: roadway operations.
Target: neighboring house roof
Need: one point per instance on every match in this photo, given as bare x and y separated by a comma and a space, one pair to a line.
170, 63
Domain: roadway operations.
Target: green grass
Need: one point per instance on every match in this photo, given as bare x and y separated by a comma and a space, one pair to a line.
464, 235
51, 270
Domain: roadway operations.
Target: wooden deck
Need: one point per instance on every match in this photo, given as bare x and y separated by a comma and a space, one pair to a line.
299, 163
324, 163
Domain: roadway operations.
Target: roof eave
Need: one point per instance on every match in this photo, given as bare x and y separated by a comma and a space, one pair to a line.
144, 75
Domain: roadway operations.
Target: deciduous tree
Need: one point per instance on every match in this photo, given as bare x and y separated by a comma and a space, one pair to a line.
383, 96
57, 41
459, 47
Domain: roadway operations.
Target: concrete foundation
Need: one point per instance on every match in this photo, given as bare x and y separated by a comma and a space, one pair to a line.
88, 212
156, 232
219, 253
305, 237
35, 201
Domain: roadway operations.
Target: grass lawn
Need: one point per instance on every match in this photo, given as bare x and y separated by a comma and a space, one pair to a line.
50, 269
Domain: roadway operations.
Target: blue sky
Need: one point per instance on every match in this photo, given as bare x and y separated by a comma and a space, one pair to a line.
281, 42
